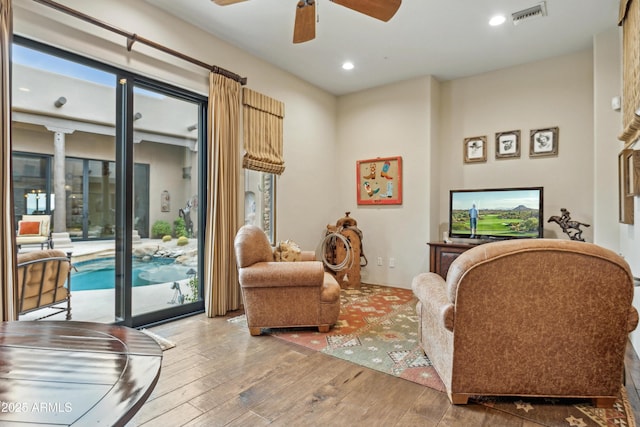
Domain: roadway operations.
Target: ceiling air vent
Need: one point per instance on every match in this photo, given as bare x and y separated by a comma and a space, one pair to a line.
536, 11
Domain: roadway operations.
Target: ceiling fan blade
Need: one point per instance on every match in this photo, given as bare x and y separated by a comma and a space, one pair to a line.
379, 9
226, 2
305, 25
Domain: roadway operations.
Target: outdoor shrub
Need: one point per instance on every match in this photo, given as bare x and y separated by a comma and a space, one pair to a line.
166, 238
179, 228
193, 287
160, 228
182, 241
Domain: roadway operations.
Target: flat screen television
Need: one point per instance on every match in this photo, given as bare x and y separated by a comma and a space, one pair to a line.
496, 213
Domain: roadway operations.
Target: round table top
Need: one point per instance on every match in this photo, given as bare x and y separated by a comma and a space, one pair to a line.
74, 373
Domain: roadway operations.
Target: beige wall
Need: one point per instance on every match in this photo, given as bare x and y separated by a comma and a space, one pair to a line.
607, 66
393, 120
555, 92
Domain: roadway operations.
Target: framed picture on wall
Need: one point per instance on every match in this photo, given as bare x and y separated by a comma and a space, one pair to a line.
475, 149
508, 145
379, 181
544, 142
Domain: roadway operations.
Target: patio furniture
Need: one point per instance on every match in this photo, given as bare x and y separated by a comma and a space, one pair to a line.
283, 294
44, 280
533, 317
34, 230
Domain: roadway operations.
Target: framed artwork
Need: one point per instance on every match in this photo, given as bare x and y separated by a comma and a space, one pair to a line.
379, 181
475, 149
508, 145
544, 142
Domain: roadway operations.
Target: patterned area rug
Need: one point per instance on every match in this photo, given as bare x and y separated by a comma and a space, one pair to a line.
378, 328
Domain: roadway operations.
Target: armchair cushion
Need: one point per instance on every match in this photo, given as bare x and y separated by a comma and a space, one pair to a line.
255, 247
43, 281
282, 275
28, 228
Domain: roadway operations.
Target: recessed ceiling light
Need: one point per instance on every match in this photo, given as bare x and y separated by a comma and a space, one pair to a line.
347, 66
24, 89
497, 20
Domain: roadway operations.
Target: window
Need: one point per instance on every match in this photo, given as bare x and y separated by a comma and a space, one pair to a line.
259, 201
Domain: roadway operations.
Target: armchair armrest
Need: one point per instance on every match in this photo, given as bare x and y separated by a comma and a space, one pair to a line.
282, 274
632, 319
308, 256
431, 290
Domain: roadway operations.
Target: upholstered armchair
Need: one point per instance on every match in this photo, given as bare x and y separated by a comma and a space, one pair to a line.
44, 280
283, 294
539, 317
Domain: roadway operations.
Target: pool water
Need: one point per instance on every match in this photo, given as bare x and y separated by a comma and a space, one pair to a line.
100, 273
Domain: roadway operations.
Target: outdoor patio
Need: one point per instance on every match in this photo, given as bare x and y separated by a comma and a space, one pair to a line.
99, 305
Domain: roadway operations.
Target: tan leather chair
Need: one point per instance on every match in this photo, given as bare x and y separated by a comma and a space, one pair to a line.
283, 294
539, 317
44, 280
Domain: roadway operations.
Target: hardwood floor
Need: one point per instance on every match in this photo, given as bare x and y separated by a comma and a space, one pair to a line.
219, 375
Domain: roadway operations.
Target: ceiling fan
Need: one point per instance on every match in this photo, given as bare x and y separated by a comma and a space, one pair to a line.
305, 24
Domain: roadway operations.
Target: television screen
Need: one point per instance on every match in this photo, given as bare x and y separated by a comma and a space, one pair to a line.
501, 213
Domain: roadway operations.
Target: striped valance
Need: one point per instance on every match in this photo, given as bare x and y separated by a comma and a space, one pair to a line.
630, 20
263, 124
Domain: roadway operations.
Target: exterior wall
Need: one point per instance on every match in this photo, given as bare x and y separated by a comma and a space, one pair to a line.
164, 172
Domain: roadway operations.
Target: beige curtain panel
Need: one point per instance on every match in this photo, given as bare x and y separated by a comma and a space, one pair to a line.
222, 289
8, 249
624, 8
262, 120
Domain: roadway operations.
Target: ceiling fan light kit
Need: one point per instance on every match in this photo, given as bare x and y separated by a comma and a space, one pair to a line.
305, 23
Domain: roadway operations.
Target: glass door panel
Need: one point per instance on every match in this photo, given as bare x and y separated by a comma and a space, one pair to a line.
101, 199
126, 182
165, 207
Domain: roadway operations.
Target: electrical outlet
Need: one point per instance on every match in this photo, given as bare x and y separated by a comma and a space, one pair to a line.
392, 262
379, 260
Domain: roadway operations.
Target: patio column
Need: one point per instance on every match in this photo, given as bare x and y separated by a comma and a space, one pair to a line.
60, 217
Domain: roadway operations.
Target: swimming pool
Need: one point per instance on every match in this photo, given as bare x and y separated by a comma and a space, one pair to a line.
100, 273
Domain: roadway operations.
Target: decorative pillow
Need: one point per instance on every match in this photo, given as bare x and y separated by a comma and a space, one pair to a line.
26, 228
287, 251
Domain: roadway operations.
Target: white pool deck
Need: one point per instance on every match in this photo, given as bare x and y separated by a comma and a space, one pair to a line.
99, 305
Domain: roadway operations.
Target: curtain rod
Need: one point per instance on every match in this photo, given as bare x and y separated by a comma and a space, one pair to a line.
132, 38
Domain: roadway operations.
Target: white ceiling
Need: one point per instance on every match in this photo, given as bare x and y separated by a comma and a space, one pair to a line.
445, 38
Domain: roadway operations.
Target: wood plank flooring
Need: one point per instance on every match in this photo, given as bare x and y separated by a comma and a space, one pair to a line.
219, 375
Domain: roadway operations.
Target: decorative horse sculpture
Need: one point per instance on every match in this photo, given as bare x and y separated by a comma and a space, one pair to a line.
569, 227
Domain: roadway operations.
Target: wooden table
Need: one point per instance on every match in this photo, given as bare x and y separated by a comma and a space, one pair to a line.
441, 255
74, 373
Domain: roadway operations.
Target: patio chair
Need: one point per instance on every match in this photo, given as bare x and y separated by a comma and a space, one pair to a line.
34, 230
42, 276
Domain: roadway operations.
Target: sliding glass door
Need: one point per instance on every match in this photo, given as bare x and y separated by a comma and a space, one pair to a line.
115, 159
165, 139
